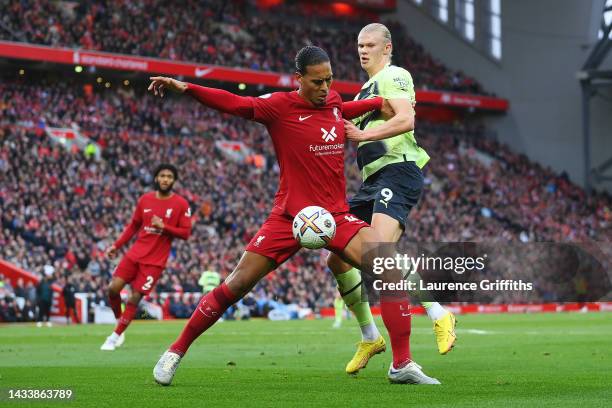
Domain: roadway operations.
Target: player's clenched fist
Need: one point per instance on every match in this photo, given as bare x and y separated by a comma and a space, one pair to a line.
111, 252
352, 132
160, 84
157, 222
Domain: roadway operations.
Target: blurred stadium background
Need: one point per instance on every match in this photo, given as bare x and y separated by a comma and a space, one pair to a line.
513, 106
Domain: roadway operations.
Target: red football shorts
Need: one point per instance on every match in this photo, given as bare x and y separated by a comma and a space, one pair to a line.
142, 278
275, 237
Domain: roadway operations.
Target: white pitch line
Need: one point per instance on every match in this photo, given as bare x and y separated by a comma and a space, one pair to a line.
476, 331
319, 332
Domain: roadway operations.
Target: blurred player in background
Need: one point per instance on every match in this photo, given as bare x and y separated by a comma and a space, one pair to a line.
159, 217
307, 131
390, 161
44, 296
68, 292
338, 311
209, 280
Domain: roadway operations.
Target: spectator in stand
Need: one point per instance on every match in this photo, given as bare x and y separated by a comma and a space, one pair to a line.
28, 313
19, 289
177, 308
230, 33
190, 305
505, 198
30, 293
8, 310
3, 286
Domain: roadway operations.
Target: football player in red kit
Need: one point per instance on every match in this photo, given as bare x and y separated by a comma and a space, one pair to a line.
159, 217
307, 131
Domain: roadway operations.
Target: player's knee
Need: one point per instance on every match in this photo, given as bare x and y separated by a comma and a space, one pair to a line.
373, 235
389, 233
333, 261
238, 281
337, 265
368, 236
394, 276
135, 298
113, 291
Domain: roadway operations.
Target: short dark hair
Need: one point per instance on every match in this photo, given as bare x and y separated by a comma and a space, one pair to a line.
166, 166
309, 55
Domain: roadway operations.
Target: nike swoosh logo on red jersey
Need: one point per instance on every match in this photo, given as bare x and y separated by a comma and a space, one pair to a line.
304, 118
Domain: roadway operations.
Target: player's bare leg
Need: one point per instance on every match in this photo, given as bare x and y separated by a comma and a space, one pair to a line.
251, 269
395, 310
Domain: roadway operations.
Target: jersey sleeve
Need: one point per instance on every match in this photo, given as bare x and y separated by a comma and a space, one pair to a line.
267, 108
222, 100
354, 109
397, 84
185, 220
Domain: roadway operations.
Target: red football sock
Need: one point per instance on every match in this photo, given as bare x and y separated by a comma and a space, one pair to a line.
397, 318
126, 317
115, 304
209, 310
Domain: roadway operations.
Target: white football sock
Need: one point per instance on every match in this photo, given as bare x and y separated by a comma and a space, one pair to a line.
434, 310
369, 332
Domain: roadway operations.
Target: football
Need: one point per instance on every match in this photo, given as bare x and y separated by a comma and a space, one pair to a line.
314, 227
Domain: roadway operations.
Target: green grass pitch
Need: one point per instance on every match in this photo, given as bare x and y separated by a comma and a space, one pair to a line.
501, 361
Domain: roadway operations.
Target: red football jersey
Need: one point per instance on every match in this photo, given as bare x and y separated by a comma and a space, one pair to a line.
309, 146
152, 246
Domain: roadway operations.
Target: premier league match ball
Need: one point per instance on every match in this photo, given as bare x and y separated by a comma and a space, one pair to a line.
314, 227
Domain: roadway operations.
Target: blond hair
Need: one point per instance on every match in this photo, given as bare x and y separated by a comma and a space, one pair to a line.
382, 29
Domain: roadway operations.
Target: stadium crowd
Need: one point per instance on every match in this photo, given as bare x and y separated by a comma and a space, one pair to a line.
64, 207
230, 33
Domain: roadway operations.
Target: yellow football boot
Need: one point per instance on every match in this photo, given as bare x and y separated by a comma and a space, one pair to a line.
365, 351
444, 330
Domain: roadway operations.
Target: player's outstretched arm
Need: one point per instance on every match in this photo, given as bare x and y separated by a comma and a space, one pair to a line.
401, 122
218, 99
